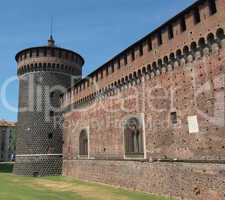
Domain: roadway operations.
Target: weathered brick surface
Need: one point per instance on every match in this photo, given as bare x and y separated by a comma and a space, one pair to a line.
189, 90
190, 85
181, 180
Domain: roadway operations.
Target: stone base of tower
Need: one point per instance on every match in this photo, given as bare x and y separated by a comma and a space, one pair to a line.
43, 165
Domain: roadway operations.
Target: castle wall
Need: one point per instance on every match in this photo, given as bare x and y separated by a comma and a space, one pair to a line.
148, 53
194, 89
180, 180
176, 91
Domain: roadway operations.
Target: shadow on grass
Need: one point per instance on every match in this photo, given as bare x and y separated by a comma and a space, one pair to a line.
6, 167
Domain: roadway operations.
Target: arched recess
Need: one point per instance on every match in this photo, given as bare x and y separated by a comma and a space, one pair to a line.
193, 46
178, 54
220, 34
133, 138
185, 50
210, 38
172, 57
165, 60
201, 43
83, 143
144, 71
160, 62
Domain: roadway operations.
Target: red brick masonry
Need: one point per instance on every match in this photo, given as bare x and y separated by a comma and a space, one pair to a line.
178, 161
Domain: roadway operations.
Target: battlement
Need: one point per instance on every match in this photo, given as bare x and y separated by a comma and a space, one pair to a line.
49, 58
182, 38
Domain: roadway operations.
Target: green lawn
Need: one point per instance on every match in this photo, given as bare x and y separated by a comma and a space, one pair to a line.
60, 188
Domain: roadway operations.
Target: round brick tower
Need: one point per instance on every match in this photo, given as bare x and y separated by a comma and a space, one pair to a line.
45, 73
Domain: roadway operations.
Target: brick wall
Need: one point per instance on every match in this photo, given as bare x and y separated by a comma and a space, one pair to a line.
191, 86
195, 89
179, 180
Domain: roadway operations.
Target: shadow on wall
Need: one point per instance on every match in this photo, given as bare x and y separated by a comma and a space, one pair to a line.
6, 167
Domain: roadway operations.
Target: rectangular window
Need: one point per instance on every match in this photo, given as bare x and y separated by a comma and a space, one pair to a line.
197, 17
112, 68
118, 64
141, 50
170, 32
132, 55
173, 117
125, 60
107, 71
101, 74
60, 54
52, 52
45, 52
183, 25
37, 52
212, 7
159, 36
51, 113
50, 135
149, 44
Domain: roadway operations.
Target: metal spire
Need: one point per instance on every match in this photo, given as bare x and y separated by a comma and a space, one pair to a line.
51, 41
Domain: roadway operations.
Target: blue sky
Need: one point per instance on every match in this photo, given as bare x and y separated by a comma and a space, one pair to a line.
97, 29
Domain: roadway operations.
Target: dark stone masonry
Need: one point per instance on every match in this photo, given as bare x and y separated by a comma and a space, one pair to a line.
44, 73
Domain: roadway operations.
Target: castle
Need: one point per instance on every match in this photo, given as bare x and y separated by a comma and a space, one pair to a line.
150, 119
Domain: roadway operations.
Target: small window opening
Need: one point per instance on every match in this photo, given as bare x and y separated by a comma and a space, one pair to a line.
197, 18
174, 117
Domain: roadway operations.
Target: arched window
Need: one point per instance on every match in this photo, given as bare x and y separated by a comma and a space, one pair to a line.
210, 38
178, 54
172, 57
165, 60
139, 73
154, 66
160, 63
185, 50
133, 138
144, 71
130, 76
193, 46
201, 42
220, 34
83, 143
149, 68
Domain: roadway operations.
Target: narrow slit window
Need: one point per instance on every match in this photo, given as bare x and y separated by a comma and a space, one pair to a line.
112, 68
132, 55
212, 7
118, 64
50, 135
125, 60
51, 113
170, 32
101, 74
141, 50
183, 25
52, 94
37, 52
197, 17
173, 116
149, 44
159, 36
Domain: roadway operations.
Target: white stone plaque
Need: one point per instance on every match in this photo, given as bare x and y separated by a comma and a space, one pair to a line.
193, 124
